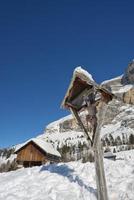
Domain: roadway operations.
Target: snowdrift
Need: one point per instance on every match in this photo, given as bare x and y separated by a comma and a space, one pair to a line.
74, 181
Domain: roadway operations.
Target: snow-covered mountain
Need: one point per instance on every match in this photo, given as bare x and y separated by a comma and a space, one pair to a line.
119, 118
74, 181
66, 134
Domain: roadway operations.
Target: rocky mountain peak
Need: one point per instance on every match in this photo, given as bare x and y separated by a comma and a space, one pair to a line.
128, 77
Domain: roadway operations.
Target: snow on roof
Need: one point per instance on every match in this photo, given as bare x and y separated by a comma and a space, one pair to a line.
45, 146
84, 72
108, 154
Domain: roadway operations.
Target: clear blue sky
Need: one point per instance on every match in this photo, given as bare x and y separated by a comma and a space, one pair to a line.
41, 42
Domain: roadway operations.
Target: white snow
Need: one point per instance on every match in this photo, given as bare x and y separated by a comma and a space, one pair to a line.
3, 159
116, 130
116, 86
125, 88
110, 128
52, 134
68, 138
108, 154
82, 74
47, 147
54, 126
116, 127
112, 80
71, 137
80, 70
74, 181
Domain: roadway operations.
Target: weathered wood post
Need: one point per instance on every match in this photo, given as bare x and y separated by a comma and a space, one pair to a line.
95, 117
98, 156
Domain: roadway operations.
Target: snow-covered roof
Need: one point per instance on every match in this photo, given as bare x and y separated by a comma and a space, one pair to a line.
79, 70
45, 146
84, 76
109, 154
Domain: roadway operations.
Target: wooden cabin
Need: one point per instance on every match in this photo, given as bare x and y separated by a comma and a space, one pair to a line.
36, 152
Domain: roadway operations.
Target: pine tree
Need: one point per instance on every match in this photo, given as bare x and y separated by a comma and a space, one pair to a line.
107, 149
112, 142
107, 141
103, 142
114, 150
118, 141
131, 139
123, 139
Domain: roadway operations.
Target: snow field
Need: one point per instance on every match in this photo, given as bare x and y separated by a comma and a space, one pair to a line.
70, 181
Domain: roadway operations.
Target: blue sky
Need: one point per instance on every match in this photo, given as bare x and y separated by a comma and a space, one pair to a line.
41, 42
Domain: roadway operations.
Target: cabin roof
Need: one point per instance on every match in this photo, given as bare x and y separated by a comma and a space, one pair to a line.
109, 154
45, 146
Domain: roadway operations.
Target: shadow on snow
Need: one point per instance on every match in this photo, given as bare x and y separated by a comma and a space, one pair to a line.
65, 171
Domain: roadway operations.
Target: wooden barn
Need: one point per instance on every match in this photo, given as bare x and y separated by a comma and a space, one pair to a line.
36, 152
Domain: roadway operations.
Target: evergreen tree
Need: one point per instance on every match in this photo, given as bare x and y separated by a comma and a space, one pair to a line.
107, 149
112, 142
118, 141
131, 139
107, 141
123, 139
114, 150
103, 142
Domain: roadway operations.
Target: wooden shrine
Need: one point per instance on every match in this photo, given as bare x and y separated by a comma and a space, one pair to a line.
85, 95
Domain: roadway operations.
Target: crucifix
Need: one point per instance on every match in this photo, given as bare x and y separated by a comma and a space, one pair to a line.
84, 95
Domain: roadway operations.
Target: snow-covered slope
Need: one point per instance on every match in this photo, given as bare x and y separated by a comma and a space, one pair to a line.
69, 138
118, 121
64, 131
74, 181
2, 159
5, 160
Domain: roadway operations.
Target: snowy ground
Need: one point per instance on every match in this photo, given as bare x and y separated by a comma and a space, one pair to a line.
69, 181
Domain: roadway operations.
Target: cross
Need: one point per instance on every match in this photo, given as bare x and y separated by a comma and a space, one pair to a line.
84, 94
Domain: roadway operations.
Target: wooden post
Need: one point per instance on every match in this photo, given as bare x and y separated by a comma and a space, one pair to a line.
98, 155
